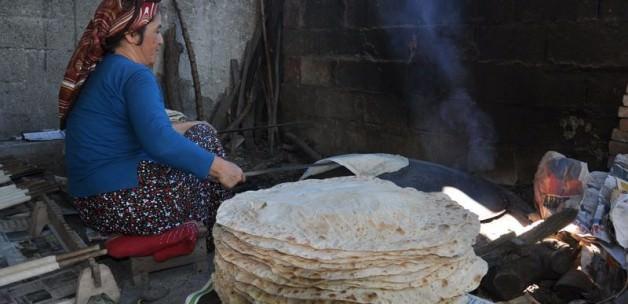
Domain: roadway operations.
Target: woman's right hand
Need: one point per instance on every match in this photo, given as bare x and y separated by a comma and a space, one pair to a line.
227, 173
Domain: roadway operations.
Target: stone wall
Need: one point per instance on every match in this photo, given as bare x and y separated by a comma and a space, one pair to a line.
385, 76
37, 38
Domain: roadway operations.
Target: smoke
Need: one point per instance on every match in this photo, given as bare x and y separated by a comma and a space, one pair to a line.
458, 113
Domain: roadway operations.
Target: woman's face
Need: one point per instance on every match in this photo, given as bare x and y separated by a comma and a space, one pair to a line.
152, 41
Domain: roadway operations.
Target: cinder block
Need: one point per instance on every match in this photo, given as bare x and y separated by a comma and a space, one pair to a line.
59, 33
84, 12
292, 70
596, 44
293, 14
316, 72
25, 8
22, 32
369, 76
55, 64
337, 104
324, 14
13, 66
322, 42
511, 42
490, 12
386, 110
61, 9
535, 11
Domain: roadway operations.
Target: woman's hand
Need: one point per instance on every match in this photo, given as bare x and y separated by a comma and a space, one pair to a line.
227, 173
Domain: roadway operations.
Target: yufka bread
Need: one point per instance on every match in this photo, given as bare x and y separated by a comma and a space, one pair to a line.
345, 240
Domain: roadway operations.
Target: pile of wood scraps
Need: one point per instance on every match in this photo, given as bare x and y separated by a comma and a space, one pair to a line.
247, 112
38, 248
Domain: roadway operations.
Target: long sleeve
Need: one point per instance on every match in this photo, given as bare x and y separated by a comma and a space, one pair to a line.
154, 130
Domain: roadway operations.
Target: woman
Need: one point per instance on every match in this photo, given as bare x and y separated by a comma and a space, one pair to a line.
129, 170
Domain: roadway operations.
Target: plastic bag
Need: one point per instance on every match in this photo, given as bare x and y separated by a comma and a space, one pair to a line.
558, 183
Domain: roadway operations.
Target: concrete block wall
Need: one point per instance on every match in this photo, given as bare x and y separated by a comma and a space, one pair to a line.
549, 75
37, 38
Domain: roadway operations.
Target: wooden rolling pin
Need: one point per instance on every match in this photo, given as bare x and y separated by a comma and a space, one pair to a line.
48, 264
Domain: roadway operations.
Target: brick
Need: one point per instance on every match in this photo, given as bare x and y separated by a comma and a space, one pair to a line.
623, 125
536, 11
316, 72
625, 101
511, 42
22, 32
597, 44
622, 112
619, 135
615, 147
324, 14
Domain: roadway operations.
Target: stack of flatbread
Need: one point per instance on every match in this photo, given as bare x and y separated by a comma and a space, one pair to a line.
345, 240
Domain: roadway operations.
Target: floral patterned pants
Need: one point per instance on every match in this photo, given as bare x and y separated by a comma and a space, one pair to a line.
164, 198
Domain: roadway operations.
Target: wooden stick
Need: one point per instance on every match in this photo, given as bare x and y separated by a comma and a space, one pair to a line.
266, 50
14, 202
249, 104
41, 266
21, 271
275, 105
200, 113
81, 258
172, 54
223, 106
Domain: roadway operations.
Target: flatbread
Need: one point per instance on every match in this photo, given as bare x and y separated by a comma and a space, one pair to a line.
345, 240
349, 213
361, 164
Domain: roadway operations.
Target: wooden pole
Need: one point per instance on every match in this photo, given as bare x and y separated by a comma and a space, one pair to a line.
200, 112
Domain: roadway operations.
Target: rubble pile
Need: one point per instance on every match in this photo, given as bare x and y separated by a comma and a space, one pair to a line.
345, 240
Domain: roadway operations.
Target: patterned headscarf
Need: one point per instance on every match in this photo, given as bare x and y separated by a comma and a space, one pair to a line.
112, 17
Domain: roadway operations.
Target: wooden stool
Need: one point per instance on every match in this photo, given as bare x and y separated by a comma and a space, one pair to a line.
142, 266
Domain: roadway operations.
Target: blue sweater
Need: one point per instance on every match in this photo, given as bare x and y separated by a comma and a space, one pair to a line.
118, 120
